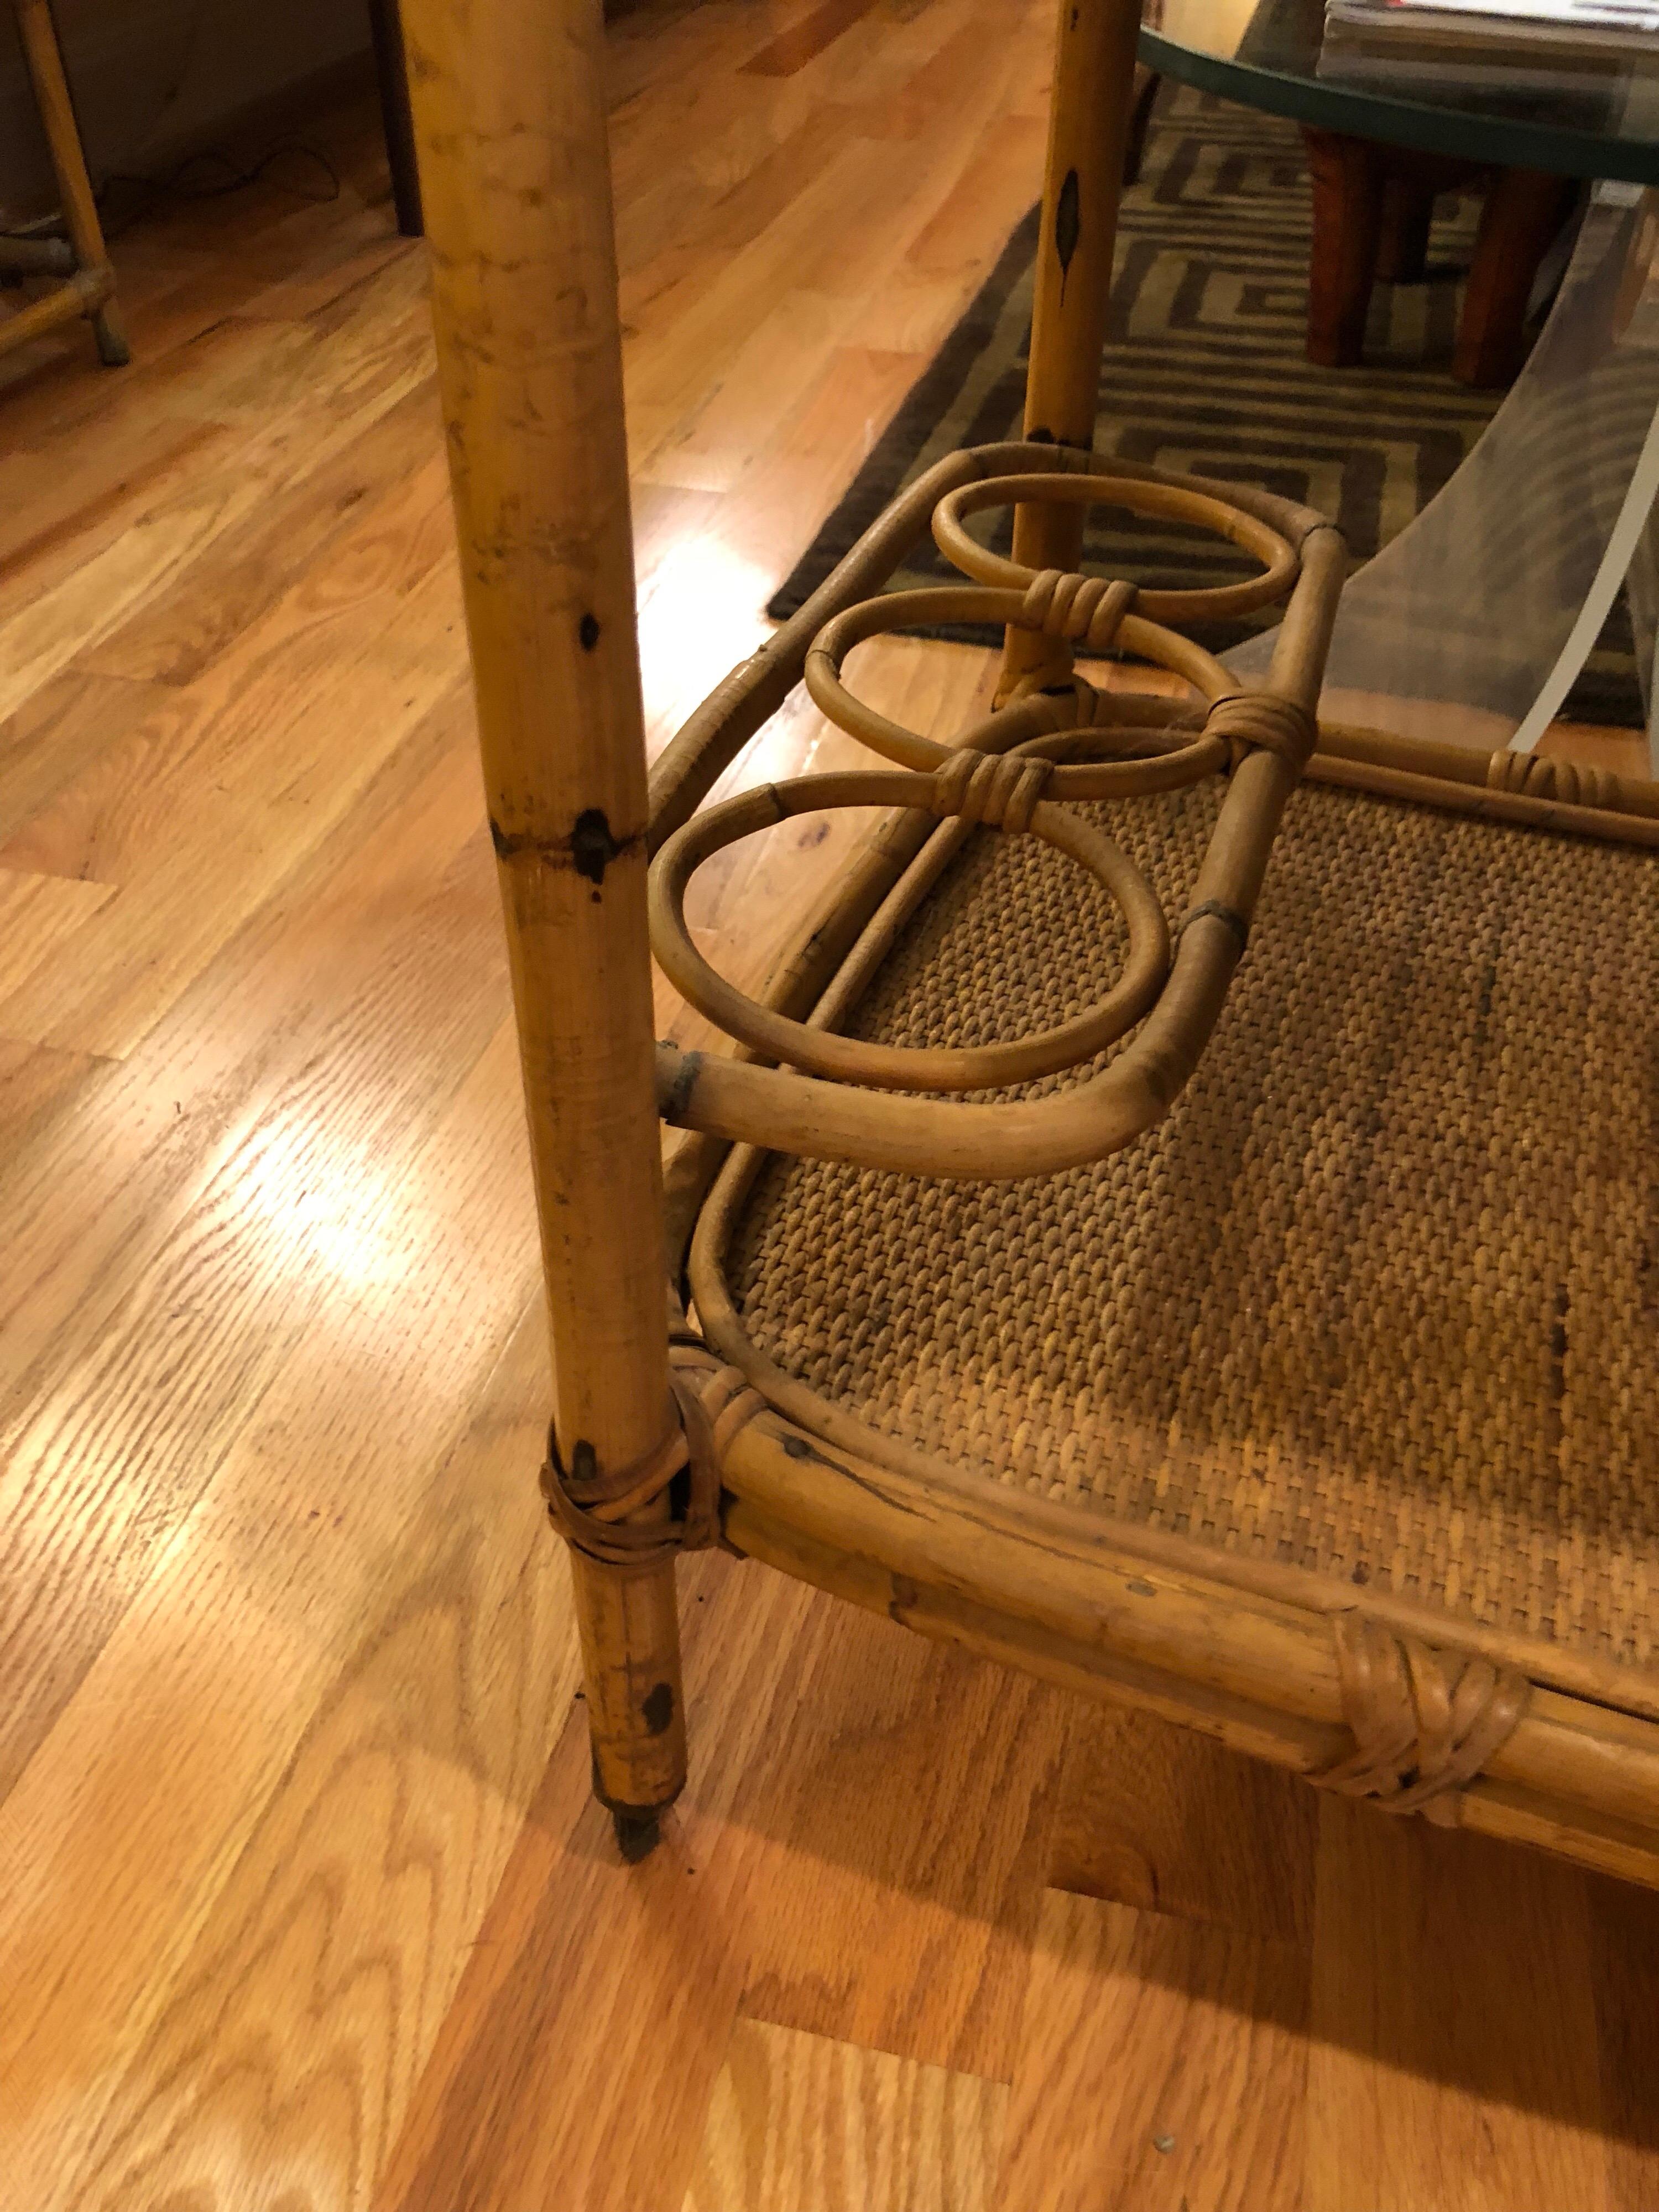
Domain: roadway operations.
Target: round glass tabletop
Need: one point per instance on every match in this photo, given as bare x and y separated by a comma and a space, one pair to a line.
1578, 111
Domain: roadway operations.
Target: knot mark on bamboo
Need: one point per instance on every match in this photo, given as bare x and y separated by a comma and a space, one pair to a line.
1068, 222
593, 846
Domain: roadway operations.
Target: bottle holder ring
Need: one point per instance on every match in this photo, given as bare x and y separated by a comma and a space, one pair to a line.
890, 1068
1008, 771
1166, 501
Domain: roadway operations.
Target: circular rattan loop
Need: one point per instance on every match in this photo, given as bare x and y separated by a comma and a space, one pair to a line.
869, 618
1174, 501
1046, 746
978, 787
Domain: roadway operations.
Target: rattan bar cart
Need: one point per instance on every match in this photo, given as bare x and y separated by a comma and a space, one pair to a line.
1183, 1219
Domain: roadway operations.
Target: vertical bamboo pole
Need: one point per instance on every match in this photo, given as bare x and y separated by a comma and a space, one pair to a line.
510, 109
1089, 118
94, 278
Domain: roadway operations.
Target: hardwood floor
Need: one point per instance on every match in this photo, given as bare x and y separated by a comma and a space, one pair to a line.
304, 1905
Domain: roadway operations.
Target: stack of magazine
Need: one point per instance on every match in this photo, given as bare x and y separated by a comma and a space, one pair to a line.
1430, 46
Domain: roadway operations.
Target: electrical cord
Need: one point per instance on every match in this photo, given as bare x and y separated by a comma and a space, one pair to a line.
209, 175
124, 198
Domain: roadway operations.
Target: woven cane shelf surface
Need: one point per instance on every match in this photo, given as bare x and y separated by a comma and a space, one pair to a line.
1378, 1298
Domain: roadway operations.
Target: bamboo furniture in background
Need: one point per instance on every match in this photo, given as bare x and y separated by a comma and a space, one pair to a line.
667, 1435
89, 285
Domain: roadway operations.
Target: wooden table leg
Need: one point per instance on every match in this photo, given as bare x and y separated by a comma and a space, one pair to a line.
1408, 216
1347, 178
1141, 115
1524, 210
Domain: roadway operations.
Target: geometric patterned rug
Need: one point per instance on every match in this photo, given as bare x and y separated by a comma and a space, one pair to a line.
1203, 370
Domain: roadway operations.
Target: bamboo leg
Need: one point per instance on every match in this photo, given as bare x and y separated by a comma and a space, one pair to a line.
509, 104
94, 279
1089, 122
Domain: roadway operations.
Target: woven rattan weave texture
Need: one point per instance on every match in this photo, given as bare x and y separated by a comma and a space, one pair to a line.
1380, 1296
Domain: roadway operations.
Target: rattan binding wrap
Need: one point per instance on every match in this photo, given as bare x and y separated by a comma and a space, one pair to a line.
598, 1513
1424, 1721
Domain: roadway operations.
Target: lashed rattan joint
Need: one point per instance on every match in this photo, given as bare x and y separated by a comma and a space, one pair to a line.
1424, 1722
597, 1511
1574, 783
1270, 725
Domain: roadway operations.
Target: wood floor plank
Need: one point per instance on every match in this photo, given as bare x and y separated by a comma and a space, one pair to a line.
191, 1714
677, 252
37, 914
59, 402
100, 590
806, 38
589, 1980
713, 444
301, 391
1152, 1816
217, 844
215, 1231
302, 2016
671, 367
802, 2123
874, 72
900, 1921
179, 632
58, 731
36, 1085
1457, 2057
139, 795
133, 1153
55, 503
1623, 1935
1163, 2068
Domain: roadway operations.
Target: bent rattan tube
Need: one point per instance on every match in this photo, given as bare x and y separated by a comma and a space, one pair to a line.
1128, 1612
823, 1052
716, 731
789, 1112
1140, 495
793, 1113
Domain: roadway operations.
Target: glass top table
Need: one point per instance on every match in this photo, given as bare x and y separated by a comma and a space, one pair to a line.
1473, 624
1598, 117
